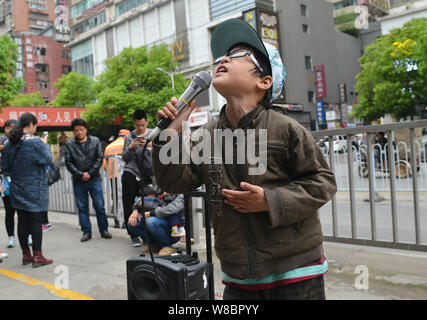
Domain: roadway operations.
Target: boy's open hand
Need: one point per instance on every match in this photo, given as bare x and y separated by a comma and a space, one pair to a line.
251, 200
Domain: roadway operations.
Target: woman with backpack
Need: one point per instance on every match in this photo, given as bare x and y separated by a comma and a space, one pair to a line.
25, 158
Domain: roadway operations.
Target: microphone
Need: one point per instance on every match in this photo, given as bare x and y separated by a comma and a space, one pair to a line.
201, 81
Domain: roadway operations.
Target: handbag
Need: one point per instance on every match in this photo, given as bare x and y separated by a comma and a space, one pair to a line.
4, 185
53, 173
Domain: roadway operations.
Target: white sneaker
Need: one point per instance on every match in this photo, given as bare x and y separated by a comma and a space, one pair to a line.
3, 255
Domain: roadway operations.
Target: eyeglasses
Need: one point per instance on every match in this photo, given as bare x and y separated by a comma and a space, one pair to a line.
239, 53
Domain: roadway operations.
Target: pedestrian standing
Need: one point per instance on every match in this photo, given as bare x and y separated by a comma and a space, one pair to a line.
131, 177
10, 211
25, 158
83, 159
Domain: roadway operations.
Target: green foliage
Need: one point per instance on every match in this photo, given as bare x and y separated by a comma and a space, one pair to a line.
75, 90
130, 82
346, 17
393, 79
9, 86
27, 100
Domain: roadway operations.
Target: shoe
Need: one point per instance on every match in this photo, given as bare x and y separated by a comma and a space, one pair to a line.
106, 235
11, 242
86, 237
166, 251
30, 240
147, 250
184, 240
3, 255
39, 260
178, 232
136, 242
46, 227
27, 258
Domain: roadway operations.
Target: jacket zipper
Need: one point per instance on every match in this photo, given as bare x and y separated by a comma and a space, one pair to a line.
246, 227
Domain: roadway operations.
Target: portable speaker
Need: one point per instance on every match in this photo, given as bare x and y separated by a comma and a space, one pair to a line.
180, 277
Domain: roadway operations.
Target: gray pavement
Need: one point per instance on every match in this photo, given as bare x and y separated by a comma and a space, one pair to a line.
97, 269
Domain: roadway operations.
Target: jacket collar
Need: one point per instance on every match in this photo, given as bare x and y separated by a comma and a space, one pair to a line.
251, 119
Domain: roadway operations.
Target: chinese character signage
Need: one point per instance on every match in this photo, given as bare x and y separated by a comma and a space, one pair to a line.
267, 25
320, 81
320, 113
46, 117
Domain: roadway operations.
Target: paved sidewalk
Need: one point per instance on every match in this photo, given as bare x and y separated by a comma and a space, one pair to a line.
97, 269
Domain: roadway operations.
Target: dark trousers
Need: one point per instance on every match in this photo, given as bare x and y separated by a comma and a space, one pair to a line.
10, 216
130, 190
311, 289
45, 218
30, 223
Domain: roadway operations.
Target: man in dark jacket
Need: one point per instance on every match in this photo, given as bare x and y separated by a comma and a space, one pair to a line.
83, 158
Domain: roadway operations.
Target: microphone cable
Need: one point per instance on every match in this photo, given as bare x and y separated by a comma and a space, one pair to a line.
144, 224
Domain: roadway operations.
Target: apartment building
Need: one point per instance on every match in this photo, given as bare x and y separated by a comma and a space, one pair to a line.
102, 29
40, 28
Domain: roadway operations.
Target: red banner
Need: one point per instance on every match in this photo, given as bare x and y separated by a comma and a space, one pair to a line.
320, 81
46, 117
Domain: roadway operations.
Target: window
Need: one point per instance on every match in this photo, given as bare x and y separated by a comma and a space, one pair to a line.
66, 69
41, 68
66, 54
127, 5
311, 96
89, 24
308, 63
84, 65
305, 28
304, 10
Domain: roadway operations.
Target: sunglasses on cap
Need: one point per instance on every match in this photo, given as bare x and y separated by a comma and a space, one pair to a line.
239, 53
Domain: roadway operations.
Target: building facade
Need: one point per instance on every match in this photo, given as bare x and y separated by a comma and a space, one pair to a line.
321, 62
402, 12
102, 29
351, 16
40, 29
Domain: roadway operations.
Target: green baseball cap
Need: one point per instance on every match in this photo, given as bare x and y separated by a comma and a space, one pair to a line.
232, 32
237, 31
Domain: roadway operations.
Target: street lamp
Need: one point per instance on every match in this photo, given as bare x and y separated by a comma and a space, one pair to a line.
171, 74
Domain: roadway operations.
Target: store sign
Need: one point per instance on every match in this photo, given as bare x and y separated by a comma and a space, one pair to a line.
62, 24
46, 117
320, 113
198, 119
320, 81
250, 17
178, 50
294, 107
269, 28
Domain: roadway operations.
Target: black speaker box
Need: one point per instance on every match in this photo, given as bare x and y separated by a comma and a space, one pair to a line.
179, 277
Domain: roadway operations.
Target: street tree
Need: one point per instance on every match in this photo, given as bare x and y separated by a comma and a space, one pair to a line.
34, 99
75, 90
9, 86
131, 81
393, 79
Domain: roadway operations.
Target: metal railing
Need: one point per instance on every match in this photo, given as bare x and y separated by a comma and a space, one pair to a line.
389, 161
61, 195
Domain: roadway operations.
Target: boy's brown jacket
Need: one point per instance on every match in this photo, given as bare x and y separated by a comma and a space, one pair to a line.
297, 183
